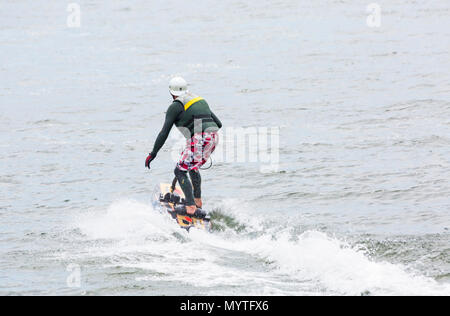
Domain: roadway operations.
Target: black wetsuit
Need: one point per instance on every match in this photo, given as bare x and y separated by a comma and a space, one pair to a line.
183, 116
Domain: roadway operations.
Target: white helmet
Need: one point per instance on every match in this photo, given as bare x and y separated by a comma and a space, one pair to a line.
177, 86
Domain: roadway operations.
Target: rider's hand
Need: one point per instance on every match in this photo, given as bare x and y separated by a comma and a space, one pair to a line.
149, 160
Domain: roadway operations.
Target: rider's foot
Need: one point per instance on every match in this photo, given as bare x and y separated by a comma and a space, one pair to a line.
190, 209
198, 202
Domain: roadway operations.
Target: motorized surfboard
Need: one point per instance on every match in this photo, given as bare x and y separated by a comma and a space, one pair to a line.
169, 198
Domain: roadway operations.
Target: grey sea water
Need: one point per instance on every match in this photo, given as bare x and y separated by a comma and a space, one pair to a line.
360, 203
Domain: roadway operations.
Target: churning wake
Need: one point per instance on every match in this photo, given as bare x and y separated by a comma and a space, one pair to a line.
130, 234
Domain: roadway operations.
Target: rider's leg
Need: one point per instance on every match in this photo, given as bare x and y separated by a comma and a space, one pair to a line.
197, 184
186, 186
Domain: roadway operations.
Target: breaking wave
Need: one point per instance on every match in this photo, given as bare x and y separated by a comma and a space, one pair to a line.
240, 261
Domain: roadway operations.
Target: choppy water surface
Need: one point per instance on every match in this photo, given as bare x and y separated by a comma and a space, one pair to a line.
360, 203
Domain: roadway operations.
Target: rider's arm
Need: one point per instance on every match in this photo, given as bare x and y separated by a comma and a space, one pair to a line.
171, 115
216, 120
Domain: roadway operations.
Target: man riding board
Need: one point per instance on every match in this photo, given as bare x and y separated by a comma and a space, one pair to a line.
195, 120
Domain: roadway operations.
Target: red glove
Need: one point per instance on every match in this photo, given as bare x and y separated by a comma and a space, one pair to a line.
149, 160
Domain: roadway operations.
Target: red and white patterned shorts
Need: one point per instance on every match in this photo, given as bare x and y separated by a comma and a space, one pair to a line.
198, 150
